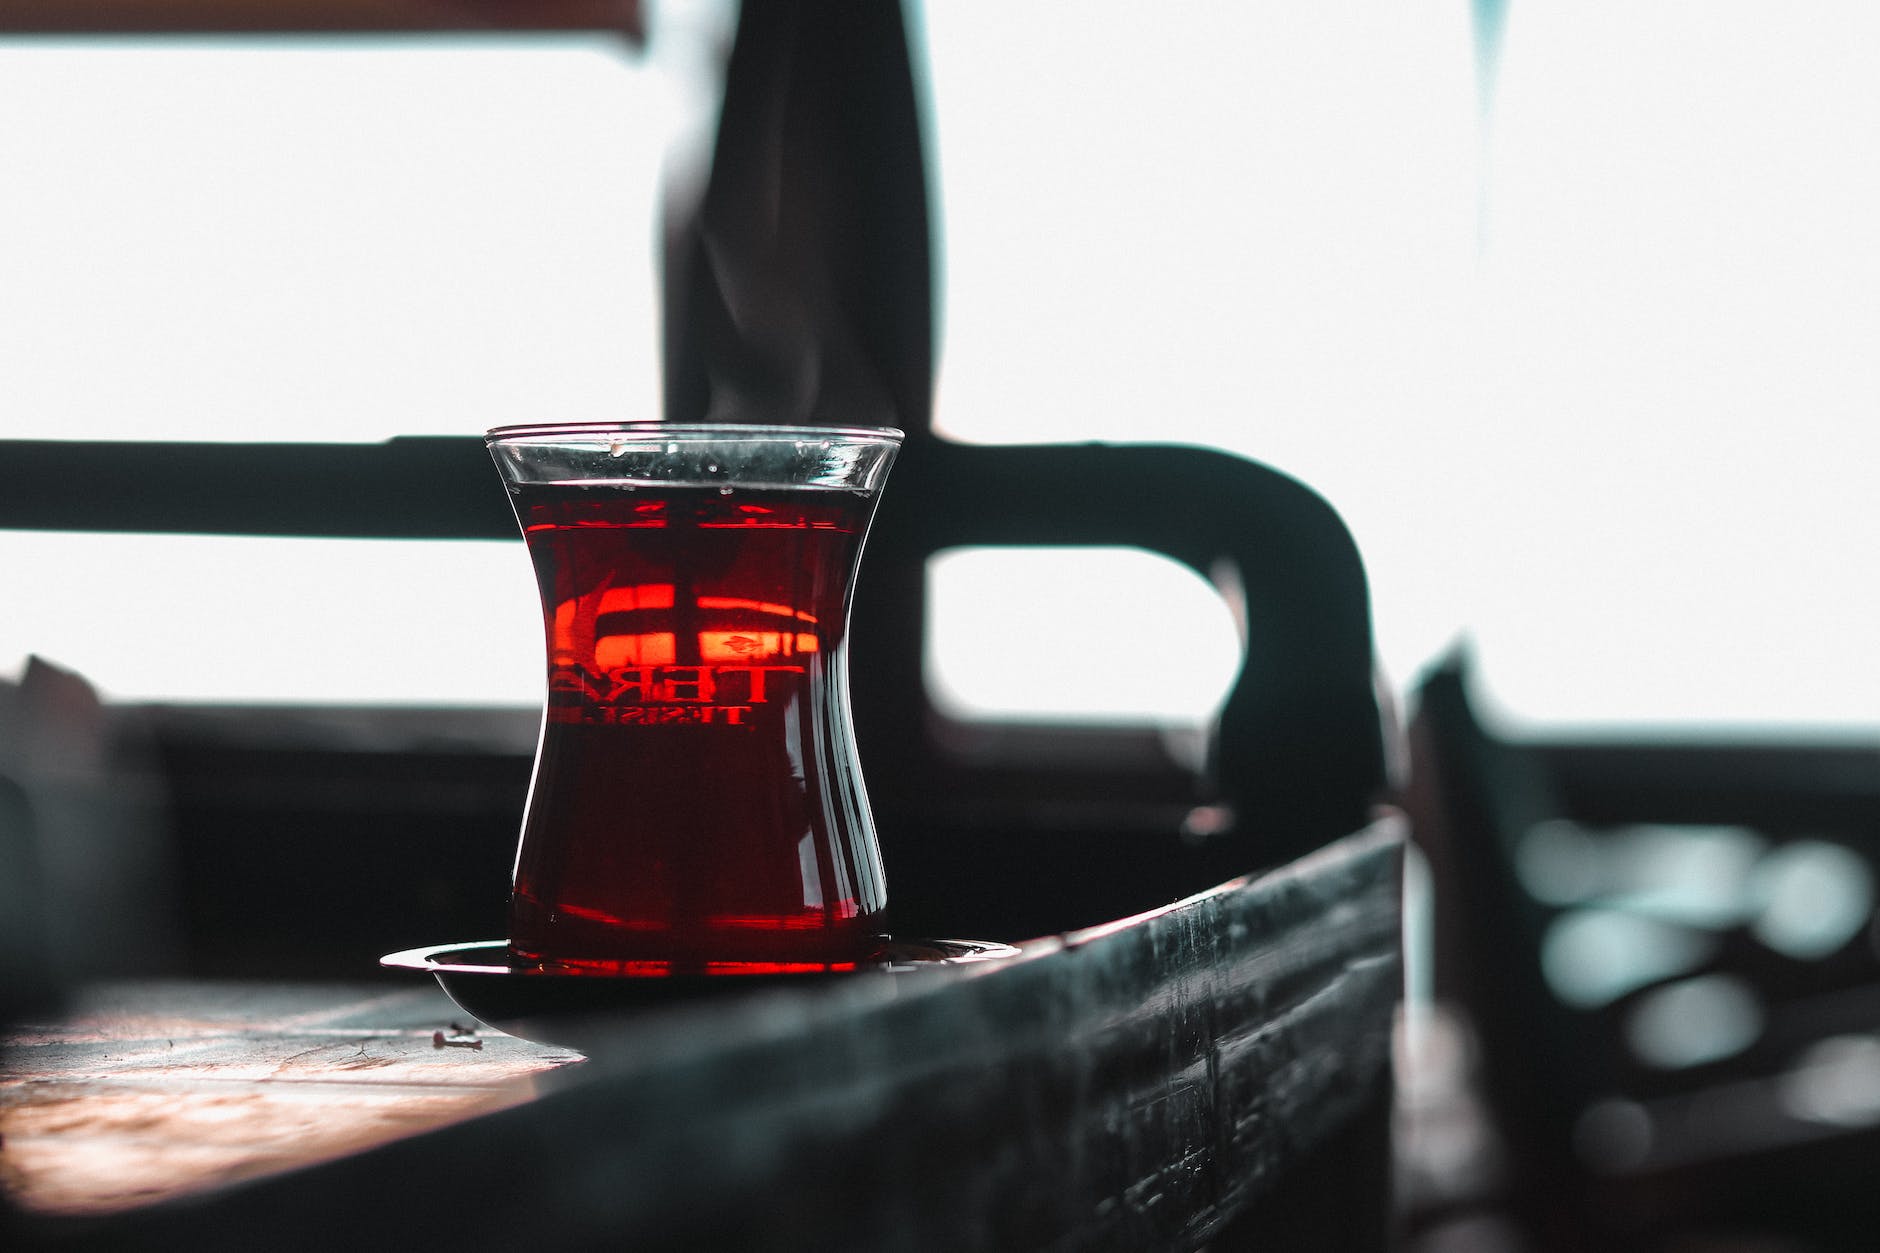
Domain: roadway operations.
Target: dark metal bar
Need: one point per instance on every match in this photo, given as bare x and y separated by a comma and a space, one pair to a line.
195, 17
1301, 749
406, 488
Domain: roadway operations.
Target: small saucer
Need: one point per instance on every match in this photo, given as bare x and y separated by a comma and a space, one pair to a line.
553, 1007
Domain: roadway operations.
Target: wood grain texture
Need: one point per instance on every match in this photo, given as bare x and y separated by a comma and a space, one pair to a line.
154, 1090
1134, 1086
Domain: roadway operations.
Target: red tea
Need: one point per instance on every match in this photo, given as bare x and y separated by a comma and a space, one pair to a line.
696, 806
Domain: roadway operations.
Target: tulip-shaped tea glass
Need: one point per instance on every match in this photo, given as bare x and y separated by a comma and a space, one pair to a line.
697, 805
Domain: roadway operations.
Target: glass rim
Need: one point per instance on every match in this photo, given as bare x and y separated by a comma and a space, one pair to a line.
550, 432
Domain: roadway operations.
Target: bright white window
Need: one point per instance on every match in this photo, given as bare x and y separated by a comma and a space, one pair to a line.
325, 240
1591, 380
232, 619
1589, 374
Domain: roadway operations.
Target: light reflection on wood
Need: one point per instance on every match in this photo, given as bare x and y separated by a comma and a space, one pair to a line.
153, 1091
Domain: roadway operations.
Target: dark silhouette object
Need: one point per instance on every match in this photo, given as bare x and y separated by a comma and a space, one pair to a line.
316, 17
1297, 753
1696, 1072
799, 288
86, 886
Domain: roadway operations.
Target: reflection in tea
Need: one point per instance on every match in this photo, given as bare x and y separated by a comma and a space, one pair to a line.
697, 805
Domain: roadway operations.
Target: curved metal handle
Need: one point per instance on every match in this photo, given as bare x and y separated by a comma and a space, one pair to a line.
1298, 749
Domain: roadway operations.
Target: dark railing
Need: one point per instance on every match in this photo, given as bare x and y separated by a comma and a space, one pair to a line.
193, 17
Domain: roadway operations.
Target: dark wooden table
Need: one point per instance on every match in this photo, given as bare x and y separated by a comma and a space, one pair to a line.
148, 1091
1216, 1072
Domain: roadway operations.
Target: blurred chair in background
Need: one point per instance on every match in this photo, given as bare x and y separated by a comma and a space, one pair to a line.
1668, 953
87, 878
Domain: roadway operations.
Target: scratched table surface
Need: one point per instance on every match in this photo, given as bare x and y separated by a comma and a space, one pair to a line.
1214, 1073
143, 1092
